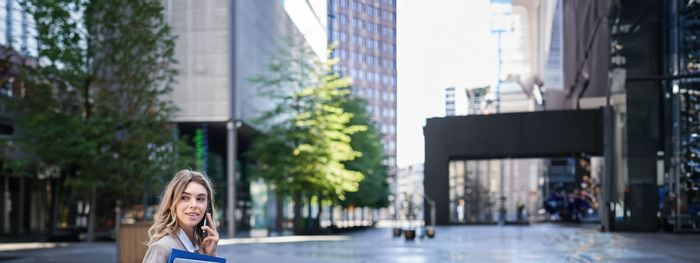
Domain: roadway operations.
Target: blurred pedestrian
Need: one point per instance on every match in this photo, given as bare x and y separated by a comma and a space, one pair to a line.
180, 220
521, 208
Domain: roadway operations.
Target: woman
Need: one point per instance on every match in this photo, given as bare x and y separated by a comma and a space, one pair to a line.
183, 206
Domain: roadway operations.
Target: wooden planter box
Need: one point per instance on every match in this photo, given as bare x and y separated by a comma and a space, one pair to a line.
131, 241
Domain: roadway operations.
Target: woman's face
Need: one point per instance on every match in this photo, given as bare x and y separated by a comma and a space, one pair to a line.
191, 206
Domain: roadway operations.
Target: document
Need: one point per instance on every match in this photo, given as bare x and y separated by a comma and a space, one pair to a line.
181, 256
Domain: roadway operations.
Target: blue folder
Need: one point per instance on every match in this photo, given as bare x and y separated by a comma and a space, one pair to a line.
192, 257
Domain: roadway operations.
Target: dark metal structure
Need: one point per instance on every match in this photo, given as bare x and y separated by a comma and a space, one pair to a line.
511, 135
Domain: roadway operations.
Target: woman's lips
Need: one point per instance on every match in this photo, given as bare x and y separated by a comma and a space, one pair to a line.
193, 216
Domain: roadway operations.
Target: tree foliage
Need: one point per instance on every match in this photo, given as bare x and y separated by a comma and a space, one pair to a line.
96, 102
306, 138
373, 191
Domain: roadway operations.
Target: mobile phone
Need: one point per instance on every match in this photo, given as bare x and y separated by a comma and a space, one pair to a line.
204, 221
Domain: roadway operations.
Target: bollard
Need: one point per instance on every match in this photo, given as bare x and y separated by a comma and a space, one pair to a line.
397, 232
410, 234
430, 232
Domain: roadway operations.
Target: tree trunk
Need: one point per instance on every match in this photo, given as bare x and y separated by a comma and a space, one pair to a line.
3, 182
362, 214
309, 217
55, 189
22, 205
144, 202
297, 212
91, 216
279, 213
330, 211
318, 216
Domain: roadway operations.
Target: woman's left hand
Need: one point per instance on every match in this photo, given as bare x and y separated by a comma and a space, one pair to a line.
212, 240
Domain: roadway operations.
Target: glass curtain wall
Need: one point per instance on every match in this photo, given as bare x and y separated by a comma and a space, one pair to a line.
475, 188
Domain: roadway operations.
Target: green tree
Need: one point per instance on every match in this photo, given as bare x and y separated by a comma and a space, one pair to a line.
373, 190
95, 103
306, 137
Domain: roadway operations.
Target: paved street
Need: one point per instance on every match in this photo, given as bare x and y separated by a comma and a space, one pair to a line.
537, 243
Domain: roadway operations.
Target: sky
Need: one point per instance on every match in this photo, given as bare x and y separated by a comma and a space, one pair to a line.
439, 43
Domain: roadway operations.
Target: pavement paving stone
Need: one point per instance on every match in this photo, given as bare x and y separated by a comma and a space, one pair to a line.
534, 243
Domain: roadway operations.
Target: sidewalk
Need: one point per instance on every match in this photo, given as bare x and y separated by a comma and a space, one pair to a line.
32, 245
107, 251
478, 243
59, 252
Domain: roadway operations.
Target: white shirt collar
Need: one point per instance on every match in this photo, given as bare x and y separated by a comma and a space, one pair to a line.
186, 241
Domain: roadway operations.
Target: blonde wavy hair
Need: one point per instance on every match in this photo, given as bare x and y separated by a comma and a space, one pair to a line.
166, 219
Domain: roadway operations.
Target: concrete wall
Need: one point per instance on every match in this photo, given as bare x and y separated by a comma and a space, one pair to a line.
311, 18
261, 27
203, 50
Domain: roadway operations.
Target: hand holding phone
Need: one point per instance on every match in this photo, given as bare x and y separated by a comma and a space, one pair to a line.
204, 222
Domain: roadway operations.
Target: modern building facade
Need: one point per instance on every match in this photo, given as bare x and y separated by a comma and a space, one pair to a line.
221, 45
366, 33
480, 189
29, 203
409, 193
633, 73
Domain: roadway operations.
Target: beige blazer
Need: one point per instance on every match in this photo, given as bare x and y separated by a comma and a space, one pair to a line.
159, 252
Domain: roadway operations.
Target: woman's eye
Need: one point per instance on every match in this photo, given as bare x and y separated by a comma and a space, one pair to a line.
185, 197
200, 199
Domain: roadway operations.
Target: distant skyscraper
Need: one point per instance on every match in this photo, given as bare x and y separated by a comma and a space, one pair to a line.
366, 31
450, 101
553, 74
